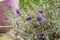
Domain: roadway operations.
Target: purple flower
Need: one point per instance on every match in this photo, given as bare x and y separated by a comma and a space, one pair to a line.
17, 11
51, 29
39, 18
44, 32
44, 23
41, 11
30, 22
29, 18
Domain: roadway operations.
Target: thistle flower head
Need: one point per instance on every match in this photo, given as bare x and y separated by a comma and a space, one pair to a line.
29, 18
17, 11
44, 23
39, 18
44, 32
41, 11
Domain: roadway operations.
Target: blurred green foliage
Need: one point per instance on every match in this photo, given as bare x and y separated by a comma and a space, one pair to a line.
51, 14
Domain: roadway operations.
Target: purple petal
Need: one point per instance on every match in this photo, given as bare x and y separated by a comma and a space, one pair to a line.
41, 11
17, 11
44, 23
44, 32
29, 18
50, 28
39, 18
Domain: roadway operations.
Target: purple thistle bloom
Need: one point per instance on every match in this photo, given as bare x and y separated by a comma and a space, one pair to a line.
44, 23
30, 22
29, 18
17, 11
39, 18
52, 29
44, 32
41, 11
